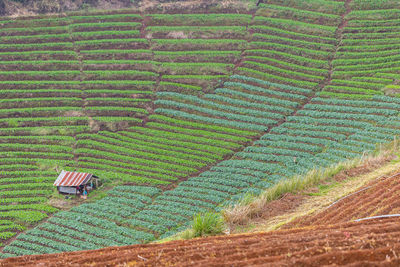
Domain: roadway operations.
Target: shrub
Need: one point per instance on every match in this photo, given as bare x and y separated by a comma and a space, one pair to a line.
208, 223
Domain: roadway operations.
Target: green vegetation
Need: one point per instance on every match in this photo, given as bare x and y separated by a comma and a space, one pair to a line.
207, 224
186, 113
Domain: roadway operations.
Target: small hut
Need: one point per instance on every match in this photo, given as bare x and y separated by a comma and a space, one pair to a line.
72, 182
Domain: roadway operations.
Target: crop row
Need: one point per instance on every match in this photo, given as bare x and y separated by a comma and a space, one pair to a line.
130, 141
368, 35
70, 231
328, 7
303, 142
272, 10
185, 131
199, 19
267, 34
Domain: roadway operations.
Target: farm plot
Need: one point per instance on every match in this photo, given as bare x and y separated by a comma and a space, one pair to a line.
50, 93
284, 247
324, 132
179, 146
292, 51
234, 105
218, 123
89, 226
39, 79
196, 52
254, 102
340, 127
39, 65
108, 79
116, 68
164, 151
218, 81
40, 110
23, 193
368, 55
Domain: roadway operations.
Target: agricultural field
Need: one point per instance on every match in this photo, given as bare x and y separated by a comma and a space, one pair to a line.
183, 112
372, 239
285, 247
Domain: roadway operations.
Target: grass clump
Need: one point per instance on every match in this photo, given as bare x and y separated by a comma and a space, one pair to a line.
208, 223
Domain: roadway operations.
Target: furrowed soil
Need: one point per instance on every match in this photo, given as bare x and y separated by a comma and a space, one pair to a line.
363, 191
366, 243
379, 197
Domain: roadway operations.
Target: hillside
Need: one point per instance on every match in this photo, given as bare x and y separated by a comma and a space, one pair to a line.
369, 243
337, 232
183, 111
378, 198
362, 189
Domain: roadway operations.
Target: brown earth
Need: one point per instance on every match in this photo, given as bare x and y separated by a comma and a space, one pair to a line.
379, 197
285, 204
366, 243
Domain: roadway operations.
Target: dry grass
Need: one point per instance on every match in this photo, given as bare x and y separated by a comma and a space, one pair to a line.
177, 35
248, 209
318, 203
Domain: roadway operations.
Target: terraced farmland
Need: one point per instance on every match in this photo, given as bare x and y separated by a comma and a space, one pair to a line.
189, 111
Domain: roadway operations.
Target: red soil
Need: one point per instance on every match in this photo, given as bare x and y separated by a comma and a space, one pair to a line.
366, 243
379, 197
285, 204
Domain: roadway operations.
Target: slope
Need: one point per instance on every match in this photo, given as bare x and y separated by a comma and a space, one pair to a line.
156, 118
373, 242
378, 198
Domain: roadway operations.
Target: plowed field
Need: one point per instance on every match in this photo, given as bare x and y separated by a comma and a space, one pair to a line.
367, 243
379, 197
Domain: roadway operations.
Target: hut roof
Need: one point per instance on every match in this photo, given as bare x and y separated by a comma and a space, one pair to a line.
72, 178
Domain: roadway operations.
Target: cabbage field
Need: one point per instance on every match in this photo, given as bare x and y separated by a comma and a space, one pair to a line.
189, 112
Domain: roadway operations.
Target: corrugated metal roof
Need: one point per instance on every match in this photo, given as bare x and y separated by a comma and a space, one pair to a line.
72, 178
